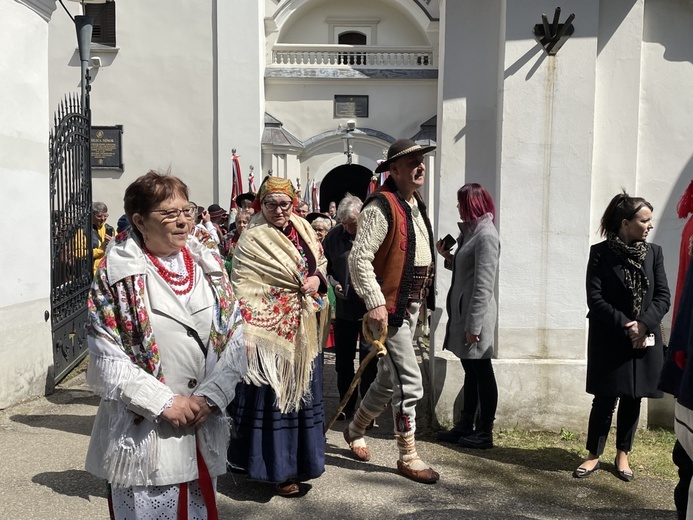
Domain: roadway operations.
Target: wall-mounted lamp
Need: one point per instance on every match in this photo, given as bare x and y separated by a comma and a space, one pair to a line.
348, 150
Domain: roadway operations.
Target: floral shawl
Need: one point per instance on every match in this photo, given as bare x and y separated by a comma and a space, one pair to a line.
280, 327
117, 313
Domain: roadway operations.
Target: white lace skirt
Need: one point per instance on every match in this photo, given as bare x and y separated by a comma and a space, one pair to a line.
158, 502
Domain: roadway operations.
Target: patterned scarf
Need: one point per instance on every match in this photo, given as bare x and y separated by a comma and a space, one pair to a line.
117, 311
632, 258
281, 329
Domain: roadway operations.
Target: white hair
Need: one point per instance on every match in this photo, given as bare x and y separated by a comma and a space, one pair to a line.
349, 205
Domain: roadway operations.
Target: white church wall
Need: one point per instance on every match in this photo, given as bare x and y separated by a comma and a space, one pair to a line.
468, 147
664, 161
665, 152
545, 217
239, 92
542, 198
394, 28
306, 108
25, 344
159, 86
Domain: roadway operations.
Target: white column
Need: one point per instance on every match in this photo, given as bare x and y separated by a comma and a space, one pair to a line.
239, 91
468, 147
25, 348
545, 200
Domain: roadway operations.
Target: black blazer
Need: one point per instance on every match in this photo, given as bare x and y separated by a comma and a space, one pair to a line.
614, 367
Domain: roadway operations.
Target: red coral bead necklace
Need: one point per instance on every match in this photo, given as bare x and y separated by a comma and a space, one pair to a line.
180, 283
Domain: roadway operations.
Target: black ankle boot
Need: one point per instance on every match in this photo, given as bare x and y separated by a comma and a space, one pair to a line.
461, 429
481, 439
477, 441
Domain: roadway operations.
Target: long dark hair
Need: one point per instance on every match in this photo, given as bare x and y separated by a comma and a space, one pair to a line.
622, 207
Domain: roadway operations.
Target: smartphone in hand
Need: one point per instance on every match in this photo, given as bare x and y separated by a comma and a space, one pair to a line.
449, 241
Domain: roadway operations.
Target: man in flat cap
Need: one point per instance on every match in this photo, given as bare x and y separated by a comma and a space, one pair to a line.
391, 266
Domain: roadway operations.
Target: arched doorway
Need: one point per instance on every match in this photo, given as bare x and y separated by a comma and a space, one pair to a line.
350, 178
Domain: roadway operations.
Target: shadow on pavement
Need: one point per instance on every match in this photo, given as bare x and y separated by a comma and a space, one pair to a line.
544, 459
237, 487
73, 483
341, 459
79, 424
446, 514
73, 396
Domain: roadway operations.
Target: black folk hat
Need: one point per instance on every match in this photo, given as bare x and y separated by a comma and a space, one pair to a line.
400, 148
216, 211
248, 195
310, 217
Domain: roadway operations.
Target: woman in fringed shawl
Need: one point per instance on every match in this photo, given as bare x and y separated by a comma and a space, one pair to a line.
278, 275
627, 296
166, 352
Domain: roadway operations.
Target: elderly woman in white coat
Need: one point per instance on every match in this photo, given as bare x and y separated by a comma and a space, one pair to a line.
166, 353
472, 314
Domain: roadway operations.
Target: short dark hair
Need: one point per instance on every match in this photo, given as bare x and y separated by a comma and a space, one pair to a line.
149, 190
622, 207
475, 202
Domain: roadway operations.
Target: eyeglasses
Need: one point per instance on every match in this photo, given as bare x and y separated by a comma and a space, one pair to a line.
173, 214
284, 205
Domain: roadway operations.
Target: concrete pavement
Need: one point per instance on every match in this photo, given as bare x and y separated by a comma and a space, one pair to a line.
43, 443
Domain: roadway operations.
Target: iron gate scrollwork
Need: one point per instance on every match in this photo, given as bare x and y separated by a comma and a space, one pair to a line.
71, 255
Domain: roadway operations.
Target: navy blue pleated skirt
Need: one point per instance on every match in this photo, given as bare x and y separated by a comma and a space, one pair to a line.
275, 447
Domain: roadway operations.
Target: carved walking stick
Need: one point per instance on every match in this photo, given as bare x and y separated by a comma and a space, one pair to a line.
378, 350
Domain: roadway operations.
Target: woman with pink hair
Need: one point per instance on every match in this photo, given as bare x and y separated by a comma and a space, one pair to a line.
472, 315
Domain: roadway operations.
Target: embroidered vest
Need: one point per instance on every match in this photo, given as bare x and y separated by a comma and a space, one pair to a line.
394, 261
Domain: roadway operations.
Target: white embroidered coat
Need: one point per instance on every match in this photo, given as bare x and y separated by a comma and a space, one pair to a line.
126, 450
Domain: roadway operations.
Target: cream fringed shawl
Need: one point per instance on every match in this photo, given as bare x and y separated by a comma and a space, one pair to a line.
280, 327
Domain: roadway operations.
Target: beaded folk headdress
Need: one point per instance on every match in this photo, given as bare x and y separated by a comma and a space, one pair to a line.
274, 185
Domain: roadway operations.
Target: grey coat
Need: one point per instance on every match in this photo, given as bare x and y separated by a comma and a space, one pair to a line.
471, 302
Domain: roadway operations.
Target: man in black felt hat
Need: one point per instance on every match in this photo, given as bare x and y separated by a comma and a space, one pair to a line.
220, 219
391, 267
245, 200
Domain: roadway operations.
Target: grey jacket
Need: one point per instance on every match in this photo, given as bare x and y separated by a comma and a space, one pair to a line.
471, 302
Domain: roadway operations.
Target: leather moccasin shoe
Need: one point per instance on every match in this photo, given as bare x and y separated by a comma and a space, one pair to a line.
362, 453
425, 476
287, 489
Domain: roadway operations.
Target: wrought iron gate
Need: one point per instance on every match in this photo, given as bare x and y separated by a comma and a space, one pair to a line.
71, 255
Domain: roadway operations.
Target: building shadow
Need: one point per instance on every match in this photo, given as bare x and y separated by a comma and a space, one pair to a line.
79, 424
73, 483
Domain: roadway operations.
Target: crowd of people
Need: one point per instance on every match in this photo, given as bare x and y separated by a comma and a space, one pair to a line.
207, 332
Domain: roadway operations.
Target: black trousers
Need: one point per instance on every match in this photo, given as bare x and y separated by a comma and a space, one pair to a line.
600, 421
480, 392
685, 465
346, 336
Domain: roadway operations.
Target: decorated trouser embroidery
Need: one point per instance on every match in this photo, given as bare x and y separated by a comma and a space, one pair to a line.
399, 376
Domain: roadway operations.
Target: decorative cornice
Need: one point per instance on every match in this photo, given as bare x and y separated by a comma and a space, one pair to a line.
44, 8
349, 73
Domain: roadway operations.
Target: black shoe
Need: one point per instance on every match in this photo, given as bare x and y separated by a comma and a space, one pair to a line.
453, 435
624, 475
462, 429
584, 472
478, 440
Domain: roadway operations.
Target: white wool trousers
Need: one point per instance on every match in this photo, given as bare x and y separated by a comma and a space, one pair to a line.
399, 376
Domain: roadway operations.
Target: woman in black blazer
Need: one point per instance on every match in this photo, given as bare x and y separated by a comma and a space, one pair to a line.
627, 296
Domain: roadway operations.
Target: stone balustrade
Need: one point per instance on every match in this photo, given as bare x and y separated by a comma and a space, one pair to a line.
290, 55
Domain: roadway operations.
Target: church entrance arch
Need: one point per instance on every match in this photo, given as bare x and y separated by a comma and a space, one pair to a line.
351, 178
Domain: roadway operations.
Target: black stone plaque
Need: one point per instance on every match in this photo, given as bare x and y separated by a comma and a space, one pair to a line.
106, 147
350, 106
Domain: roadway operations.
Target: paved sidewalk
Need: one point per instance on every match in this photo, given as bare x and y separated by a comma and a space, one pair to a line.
43, 443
